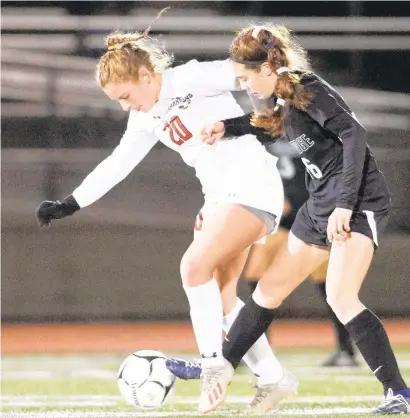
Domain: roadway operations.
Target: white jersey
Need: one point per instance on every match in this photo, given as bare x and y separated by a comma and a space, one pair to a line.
193, 95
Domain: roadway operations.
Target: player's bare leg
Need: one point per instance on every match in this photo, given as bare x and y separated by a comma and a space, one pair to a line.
260, 357
349, 262
227, 275
261, 256
344, 354
279, 285
230, 230
294, 262
348, 265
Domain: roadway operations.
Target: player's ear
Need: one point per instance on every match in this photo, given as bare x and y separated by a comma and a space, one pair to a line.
266, 69
144, 74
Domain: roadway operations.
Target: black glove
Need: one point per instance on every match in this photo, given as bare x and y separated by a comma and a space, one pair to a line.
49, 210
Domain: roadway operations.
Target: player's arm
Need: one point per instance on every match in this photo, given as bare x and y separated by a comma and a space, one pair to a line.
242, 125
134, 146
335, 116
233, 128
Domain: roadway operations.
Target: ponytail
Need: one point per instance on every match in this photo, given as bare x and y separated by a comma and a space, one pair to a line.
274, 45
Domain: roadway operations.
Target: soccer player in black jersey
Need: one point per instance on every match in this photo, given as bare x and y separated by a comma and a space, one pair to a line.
341, 220
292, 171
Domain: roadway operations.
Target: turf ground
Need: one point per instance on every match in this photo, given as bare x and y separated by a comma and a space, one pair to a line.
75, 385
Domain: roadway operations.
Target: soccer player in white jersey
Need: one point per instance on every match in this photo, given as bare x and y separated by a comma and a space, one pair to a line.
242, 187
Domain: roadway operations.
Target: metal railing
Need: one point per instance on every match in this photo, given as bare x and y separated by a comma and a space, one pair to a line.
66, 86
71, 33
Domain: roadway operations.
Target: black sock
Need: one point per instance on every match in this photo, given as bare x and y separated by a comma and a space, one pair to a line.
371, 339
252, 285
344, 342
251, 322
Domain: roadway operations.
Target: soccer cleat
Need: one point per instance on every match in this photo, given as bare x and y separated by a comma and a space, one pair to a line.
214, 385
268, 396
341, 359
393, 404
184, 369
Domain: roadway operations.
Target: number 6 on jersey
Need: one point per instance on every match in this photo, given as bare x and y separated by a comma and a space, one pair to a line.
312, 169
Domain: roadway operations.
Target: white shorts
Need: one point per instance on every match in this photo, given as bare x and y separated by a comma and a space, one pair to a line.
255, 183
210, 208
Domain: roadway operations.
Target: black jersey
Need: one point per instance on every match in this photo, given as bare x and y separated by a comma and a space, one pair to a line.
292, 172
340, 168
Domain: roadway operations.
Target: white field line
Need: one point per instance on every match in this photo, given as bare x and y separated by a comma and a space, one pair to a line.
178, 414
302, 373
112, 400
80, 365
314, 377
59, 374
308, 360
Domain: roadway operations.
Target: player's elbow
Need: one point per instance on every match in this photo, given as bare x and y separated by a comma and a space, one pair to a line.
353, 131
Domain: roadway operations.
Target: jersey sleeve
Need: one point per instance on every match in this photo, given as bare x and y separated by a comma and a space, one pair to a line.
134, 146
209, 78
329, 109
241, 125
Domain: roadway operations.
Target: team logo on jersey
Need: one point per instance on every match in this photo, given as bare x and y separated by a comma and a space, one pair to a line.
181, 102
302, 143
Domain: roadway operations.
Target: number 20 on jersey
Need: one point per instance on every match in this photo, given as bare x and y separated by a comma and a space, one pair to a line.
178, 132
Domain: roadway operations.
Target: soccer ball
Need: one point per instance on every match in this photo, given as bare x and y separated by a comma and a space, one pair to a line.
144, 381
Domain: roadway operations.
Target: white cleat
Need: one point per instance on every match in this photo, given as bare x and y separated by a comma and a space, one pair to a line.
214, 385
268, 396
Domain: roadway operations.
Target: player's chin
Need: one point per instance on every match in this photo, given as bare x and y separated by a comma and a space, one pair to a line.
261, 96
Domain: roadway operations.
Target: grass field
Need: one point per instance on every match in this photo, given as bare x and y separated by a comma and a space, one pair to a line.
85, 386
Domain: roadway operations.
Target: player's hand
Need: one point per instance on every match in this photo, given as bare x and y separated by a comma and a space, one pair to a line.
338, 227
212, 133
49, 210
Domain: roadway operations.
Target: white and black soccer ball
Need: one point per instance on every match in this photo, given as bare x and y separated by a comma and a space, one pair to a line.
144, 381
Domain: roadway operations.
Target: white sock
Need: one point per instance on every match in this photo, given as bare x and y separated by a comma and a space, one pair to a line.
260, 358
206, 316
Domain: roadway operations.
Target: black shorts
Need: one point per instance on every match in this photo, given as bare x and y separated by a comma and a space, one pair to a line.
314, 230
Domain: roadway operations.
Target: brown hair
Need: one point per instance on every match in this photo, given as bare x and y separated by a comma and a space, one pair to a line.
127, 52
275, 45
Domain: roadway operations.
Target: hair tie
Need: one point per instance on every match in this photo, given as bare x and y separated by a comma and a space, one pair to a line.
255, 63
279, 102
129, 41
118, 46
281, 70
255, 32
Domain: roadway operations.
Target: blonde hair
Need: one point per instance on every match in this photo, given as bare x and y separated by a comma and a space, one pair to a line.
275, 45
127, 52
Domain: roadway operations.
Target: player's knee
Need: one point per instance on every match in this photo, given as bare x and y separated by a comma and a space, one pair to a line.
266, 299
194, 270
342, 303
332, 300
